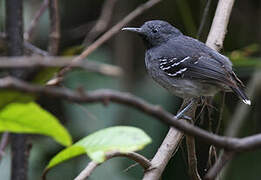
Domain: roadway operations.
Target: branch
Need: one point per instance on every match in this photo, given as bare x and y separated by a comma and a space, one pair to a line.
167, 149
54, 36
192, 158
219, 25
204, 18
32, 62
32, 49
221, 162
14, 33
102, 22
139, 10
104, 96
145, 163
28, 47
28, 34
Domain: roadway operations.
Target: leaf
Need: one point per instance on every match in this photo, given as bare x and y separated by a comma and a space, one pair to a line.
118, 138
31, 118
11, 96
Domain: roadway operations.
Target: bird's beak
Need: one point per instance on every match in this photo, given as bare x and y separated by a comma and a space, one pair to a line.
136, 30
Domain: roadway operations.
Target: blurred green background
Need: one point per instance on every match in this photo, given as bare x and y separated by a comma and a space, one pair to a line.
126, 50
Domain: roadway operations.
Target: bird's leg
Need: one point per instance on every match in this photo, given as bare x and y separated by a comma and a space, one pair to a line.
185, 109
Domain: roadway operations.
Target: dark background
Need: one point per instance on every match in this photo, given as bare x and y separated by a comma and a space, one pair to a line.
126, 50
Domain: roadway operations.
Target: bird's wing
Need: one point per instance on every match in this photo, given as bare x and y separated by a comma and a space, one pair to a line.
198, 68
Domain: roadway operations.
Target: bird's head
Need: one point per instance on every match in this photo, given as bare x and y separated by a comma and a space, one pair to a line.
155, 32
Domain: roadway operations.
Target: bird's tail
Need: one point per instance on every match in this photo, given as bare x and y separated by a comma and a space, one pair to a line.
241, 94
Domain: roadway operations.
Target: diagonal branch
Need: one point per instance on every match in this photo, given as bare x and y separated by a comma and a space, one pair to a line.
102, 22
224, 158
28, 34
106, 36
28, 47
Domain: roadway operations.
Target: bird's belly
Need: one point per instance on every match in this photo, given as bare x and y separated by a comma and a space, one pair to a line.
182, 87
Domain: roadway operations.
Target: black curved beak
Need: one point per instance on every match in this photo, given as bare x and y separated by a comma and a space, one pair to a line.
136, 30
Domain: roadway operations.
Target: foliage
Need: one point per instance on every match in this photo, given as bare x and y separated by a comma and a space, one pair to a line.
119, 138
31, 118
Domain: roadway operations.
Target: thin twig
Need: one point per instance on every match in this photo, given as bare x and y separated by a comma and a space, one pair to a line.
28, 34
54, 36
192, 158
3, 144
32, 49
221, 162
28, 47
228, 143
145, 163
191, 150
102, 22
32, 62
204, 18
139, 10
220, 113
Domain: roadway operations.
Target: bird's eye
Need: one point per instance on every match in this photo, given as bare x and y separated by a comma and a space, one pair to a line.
154, 30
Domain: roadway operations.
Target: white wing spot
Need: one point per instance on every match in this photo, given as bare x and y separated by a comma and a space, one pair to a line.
163, 63
179, 72
166, 68
175, 64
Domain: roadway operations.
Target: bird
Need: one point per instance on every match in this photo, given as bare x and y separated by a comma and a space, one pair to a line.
185, 66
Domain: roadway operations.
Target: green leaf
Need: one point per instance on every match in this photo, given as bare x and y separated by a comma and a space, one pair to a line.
118, 138
31, 118
11, 96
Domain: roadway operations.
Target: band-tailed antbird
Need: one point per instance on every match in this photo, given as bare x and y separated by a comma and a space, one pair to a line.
185, 66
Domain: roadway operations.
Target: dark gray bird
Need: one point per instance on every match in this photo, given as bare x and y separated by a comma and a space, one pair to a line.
185, 66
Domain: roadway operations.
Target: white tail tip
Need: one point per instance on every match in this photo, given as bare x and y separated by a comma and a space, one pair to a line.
247, 101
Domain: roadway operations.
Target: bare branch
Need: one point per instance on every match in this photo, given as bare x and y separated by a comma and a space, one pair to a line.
28, 47
219, 25
145, 163
102, 22
221, 162
54, 37
139, 10
204, 18
31, 62
3, 144
164, 154
228, 143
28, 34
32, 49
192, 158
167, 149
